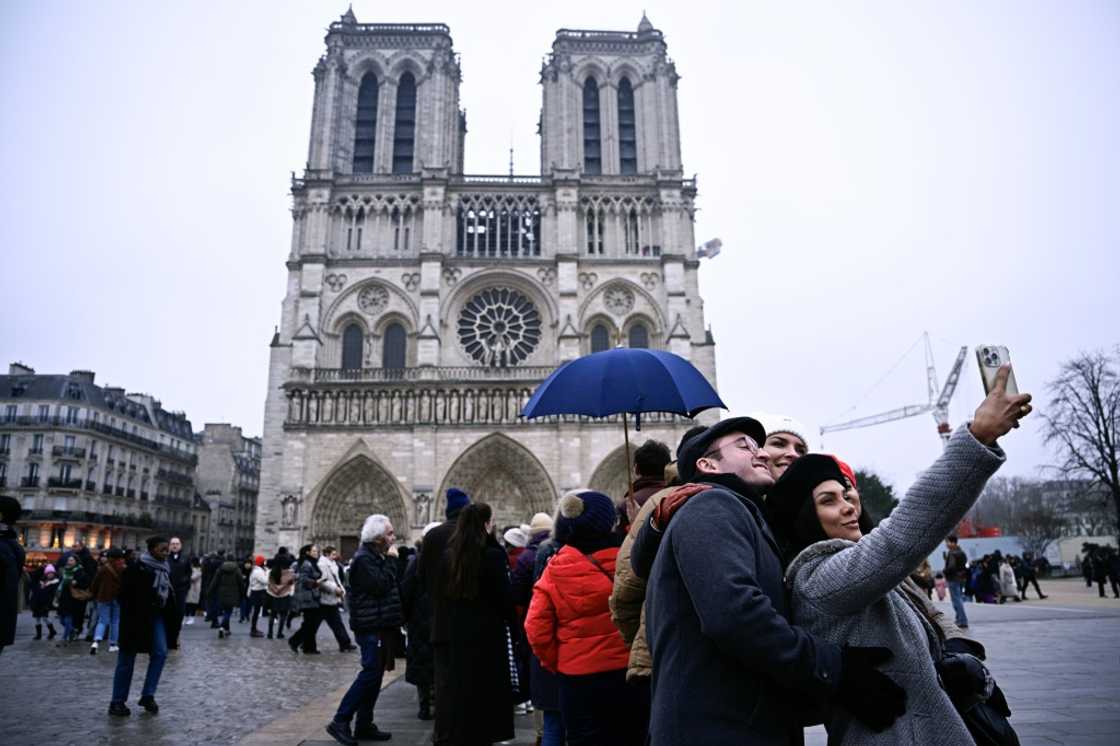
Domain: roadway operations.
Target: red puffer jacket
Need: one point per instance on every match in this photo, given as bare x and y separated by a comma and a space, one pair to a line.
569, 623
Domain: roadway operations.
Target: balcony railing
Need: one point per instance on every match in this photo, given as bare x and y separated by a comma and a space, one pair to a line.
105, 429
119, 491
91, 487
130, 493
107, 490
68, 452
3, 481
35, 451
64, 484
5, 450
174, 477
29, 482
534, 373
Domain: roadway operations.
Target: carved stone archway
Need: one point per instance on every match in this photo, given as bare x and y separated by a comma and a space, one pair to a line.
352, 491
610, 476
503, 474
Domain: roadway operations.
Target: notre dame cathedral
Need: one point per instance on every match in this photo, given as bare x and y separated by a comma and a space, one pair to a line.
424, 305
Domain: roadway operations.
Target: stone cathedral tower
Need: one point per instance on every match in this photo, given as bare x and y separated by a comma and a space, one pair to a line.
424, 305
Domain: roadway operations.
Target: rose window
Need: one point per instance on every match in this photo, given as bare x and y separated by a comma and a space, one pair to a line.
499, 327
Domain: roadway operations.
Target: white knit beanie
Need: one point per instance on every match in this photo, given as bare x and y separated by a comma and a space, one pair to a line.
780, 423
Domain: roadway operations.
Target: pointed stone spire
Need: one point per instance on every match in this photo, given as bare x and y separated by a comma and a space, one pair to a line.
348, 17
644, 26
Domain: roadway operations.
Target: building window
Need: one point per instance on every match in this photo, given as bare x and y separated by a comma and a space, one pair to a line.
630, 230
69, 442
592, 144
600, 338
10, 412
639, 336
627, 133
499, 327
404, 133
595, 231
352, 347
65, 472
71, 415
393, 351
37, 443
44, 412
32, 472
365, 125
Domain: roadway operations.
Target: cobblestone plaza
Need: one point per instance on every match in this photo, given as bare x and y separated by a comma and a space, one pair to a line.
1056, 660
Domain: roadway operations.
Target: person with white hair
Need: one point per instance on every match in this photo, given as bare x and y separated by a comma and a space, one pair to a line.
375, 606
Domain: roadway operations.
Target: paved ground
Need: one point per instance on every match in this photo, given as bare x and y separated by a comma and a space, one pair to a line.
1057, 660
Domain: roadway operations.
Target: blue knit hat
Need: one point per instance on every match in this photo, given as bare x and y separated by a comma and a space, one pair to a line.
456, 501
584, 514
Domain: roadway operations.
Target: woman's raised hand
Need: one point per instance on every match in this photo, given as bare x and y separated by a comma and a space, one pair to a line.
1000, 411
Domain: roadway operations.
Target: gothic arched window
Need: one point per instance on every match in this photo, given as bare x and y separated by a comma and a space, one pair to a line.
404, 133
365, 125
393, 351
352, 347
627, 133
592, 147
600, 338
639, 336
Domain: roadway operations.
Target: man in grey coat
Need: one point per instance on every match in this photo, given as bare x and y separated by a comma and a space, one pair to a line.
728, 667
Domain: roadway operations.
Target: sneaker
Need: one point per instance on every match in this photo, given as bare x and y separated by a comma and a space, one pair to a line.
371, 733
93, 649
120, 709
149, 704
190, 620
341, 733
113, 648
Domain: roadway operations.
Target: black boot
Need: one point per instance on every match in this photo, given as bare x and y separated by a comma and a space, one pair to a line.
120, 709
38, 632
149, 704
51, 631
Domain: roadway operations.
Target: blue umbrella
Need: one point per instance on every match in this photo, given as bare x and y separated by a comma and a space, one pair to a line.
624, 381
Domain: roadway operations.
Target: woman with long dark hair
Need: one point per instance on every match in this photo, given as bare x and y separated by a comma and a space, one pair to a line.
476, 590
306, 600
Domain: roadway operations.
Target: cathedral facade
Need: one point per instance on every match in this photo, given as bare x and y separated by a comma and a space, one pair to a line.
424, 305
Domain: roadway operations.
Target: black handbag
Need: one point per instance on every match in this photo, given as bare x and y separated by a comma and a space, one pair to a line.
978, 699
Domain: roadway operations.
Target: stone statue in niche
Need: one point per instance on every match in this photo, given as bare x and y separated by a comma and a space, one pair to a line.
289, 511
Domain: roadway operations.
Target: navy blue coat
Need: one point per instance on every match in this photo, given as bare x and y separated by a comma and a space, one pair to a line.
11, 568
727, 665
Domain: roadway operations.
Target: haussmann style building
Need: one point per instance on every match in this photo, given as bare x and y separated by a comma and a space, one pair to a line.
94, 464
424, 305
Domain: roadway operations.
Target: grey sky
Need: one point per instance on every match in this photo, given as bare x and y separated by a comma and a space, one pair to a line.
873, 170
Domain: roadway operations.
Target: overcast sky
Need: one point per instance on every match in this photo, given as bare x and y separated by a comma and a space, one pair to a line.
874, 170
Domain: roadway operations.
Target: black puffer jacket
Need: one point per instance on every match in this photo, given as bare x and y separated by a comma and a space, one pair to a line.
375, 600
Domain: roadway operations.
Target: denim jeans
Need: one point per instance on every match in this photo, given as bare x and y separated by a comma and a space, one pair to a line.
553, 734
108, 615
67, 626
122, 677
227, 613
361, 697
957, 595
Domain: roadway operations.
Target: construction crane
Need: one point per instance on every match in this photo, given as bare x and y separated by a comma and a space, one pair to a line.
938, 403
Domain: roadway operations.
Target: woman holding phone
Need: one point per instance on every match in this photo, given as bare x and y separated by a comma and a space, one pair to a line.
845, 576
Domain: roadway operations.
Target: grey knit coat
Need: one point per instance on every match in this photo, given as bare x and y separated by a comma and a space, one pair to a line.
849, 593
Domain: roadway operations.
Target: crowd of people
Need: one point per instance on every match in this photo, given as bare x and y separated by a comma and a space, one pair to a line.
738, 592
1101, 565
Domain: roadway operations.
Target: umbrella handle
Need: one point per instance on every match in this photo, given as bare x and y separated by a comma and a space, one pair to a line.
629, 466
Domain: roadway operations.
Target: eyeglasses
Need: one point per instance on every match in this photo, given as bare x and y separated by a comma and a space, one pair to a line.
745, 443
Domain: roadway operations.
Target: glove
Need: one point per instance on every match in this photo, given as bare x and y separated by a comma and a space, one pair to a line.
673, 502
866, 692
966, 680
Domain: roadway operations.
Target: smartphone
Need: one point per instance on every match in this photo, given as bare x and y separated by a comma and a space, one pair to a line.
990, 358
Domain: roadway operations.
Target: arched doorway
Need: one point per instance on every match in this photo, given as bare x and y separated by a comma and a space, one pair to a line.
350, 493
503, 474
610, 476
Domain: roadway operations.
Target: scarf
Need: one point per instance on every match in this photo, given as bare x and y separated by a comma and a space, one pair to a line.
162, 571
